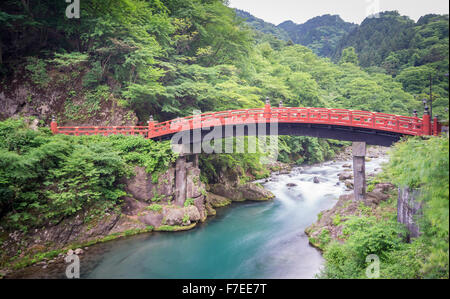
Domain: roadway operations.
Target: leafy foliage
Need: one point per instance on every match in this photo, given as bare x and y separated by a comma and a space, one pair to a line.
410, 51
414, 163
321, 34
45, 178
430, 173
368, 236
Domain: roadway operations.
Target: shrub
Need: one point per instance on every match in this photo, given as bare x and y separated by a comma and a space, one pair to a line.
94, 76
189, 202
45, 178
38, 71
69, 60
154, 207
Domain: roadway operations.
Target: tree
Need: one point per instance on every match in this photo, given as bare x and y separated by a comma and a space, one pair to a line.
349, 56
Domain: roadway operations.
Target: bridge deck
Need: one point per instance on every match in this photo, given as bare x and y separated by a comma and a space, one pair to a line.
403, 125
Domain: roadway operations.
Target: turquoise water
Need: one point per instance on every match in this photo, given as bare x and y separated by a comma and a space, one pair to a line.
247, 240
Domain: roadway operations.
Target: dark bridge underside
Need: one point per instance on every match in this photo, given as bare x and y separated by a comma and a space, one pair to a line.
344, 133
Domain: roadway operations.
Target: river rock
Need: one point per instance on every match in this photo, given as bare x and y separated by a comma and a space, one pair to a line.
384, 187
226, 191
290, 185
244, 192
174, 215
316, 180
345, 176
255, 192
79, 251
217, 201
349, 185
347, 166
152, 218
375, 197
209, 209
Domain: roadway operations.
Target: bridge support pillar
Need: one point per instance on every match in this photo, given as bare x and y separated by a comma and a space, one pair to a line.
195, 160
359, 170
180, 181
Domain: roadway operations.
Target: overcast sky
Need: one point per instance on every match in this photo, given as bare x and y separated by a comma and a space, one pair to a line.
355, 11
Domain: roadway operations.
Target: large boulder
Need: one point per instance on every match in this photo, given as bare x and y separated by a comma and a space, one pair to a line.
343, 176
217, 201
174, 215
249, 191
152, 218
210, 210
226, 191
349, 185
255, 192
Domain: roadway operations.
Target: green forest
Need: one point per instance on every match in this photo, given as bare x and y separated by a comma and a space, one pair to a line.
168, 58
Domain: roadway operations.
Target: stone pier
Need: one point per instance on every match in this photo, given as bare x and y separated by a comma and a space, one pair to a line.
359, 170
180, 180
409, 210
184, 167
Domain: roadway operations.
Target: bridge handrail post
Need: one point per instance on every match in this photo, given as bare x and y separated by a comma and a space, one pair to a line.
426, 122
151, 127
416, 121
435, 126
267, 110
54, 126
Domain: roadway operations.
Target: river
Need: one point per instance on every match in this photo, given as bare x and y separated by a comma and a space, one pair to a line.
244, 240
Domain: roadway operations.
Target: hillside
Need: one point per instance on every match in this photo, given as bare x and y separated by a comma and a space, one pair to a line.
262, 26
410, 51
321, 34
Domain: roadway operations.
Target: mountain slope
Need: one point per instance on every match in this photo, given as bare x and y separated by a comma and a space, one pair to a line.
262, 26
415, 53
321, 34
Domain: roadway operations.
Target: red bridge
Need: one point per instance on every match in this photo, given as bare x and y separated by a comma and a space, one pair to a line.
349, 125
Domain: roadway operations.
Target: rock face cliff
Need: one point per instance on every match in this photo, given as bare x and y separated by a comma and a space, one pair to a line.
152, 203
60, 93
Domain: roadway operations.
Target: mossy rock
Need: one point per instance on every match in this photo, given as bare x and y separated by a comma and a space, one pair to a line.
175, 228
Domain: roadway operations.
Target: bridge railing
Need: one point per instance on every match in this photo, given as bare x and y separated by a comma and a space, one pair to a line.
93, 130
340, 117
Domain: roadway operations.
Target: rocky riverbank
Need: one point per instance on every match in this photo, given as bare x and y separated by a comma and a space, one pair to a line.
330, 223
149, 206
